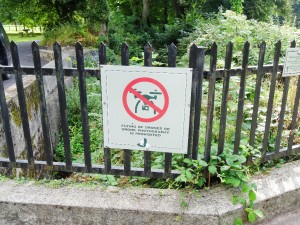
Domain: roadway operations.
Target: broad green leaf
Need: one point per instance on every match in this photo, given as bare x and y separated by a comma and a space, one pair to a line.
238, 221
259, 213
181, 178
243, 201
242, 159
229, 162
235, 200
235, 182
188, 174
224, 168
234, 157
251, 217
202, 163
252, 195
212, 169
245, 188
254, 186
200, 183
188, 161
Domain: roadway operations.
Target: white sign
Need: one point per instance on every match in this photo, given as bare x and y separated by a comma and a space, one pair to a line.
292, 62
146, 108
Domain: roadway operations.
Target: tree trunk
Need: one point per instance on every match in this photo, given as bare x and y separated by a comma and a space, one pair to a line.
145, 15
166, 6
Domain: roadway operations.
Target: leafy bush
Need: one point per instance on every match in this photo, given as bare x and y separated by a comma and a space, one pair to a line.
69, 34
228, 26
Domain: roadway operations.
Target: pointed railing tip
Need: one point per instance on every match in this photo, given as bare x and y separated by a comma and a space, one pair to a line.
193, 45
148, 45
263, 43
247, 43
230, 43
124, 44
172, 45
78, 45
34, 44
278, 43
102, 44
12, 43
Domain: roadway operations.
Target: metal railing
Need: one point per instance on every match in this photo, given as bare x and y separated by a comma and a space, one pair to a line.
196, 61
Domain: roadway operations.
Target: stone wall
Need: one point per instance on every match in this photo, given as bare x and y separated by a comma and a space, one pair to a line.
34, 116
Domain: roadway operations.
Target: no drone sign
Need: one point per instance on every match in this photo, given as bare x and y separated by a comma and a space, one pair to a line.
146, 108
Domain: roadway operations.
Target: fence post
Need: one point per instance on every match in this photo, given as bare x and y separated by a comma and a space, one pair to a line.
226, 81
294, 117
107, 152
198, 99
210, 101
127, 153
286, 81
192, 64
239, 118
271, 99
22, 103
62, 102
102, 54
260, 73
147, 154
172, 53
83, 106
42, 99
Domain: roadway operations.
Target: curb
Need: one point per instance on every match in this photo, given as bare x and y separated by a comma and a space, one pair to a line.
278, 193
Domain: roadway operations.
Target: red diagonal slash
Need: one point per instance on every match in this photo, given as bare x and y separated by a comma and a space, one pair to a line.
145, 100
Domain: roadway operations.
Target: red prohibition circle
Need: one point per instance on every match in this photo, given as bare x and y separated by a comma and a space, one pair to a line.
129, 89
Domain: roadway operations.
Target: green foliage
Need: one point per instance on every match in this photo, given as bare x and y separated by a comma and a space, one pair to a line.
237, 5
264, 10
74, 119
69, 34
232, 170
229, 26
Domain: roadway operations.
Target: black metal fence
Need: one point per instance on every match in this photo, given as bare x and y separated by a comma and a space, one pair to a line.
196, 61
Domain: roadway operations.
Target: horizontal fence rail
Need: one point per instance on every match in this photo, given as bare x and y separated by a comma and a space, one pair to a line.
199, 98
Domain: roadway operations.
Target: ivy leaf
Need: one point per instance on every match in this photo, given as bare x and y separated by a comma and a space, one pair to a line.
224, 168
235, 200
252, 195
238, 221
188, 174
229, 162
259, 213
202, 163
245, 188
242, 159
212, 169
235, 182
200, 183
188, 161
254, 186
251, 216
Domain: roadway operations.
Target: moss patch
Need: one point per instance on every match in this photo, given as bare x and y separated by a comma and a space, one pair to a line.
15, 113
32, 99
32, 104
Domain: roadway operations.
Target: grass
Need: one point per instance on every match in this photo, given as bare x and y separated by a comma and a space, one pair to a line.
17, 38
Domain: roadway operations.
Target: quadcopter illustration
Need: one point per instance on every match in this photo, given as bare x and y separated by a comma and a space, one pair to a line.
145, 107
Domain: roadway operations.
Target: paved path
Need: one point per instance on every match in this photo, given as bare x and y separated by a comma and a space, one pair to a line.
25, 55
291, 218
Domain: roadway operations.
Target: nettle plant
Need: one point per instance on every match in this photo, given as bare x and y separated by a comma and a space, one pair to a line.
232, 170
